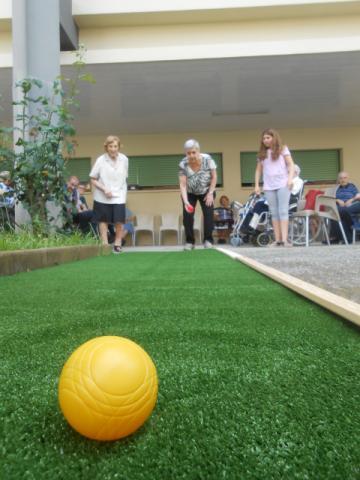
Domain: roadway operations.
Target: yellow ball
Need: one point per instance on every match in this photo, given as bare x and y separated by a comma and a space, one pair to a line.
108, 388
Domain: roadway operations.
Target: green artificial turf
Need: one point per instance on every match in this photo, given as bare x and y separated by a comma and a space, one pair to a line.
254, 381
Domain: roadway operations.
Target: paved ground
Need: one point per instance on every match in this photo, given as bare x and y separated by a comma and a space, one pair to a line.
335, 268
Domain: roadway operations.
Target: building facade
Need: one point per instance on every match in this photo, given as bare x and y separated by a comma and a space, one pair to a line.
217, 71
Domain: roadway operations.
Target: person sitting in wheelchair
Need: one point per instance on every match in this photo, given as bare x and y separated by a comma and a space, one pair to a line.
223, 219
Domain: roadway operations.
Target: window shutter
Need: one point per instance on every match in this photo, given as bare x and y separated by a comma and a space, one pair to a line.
80, 167
317, 166
161, 171
247, 168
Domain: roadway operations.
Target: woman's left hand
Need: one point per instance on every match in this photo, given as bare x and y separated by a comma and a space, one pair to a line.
209, 199
290, 184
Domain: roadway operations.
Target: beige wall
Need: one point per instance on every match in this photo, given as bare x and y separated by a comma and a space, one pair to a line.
230, 144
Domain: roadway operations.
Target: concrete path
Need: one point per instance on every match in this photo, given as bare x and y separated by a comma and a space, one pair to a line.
335, 268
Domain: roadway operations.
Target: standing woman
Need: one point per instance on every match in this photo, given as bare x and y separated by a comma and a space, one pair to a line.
109, 175
277, 168
197, 177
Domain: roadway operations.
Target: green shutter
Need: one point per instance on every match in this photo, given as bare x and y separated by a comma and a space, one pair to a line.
161, 171
217, 157
80, 167
247, 168
317, 166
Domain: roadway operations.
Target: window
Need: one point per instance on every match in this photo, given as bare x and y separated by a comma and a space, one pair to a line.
161, 171
80, 167
317, 166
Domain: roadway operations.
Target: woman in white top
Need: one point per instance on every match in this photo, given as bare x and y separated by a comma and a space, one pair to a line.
108, 176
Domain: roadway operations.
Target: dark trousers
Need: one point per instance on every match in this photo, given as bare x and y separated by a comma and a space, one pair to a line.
208, 214
83, 220
347, 216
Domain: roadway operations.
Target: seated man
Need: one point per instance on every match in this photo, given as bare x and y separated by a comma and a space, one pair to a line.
7, 202
348, 202
76, 212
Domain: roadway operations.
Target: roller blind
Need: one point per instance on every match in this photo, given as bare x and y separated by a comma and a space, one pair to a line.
161, 171
80, 167
317, 166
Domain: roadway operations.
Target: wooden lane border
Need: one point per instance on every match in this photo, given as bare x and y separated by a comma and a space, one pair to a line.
336, 304
17, 261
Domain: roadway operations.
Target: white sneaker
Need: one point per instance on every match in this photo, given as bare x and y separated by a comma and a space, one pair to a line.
208, 244
188, 247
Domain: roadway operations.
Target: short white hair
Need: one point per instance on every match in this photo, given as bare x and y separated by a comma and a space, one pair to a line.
5, 175
191, 143
297, 169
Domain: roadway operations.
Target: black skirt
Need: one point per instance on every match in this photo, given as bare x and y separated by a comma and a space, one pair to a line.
109, 212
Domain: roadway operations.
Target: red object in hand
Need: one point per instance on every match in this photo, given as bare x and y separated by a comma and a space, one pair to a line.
189, 208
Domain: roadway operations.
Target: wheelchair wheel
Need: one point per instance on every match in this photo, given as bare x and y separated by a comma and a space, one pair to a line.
264, 239
299, 230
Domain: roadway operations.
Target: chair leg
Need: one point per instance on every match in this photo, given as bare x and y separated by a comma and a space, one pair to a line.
325, 231
307, 229
343, 233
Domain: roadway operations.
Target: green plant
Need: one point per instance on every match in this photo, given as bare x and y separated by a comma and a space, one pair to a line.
44, 141
26, 239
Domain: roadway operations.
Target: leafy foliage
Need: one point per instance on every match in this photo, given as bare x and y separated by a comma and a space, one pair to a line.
44, 135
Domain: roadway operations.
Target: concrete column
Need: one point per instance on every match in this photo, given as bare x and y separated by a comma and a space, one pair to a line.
36, 50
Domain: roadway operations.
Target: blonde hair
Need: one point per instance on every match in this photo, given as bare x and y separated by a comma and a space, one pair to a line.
276, 147
110, 139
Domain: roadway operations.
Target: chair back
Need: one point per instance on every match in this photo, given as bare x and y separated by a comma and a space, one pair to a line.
325, 206
170, 220
145, 220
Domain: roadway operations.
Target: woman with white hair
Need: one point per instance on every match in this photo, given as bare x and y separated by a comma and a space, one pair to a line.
197, 177
297, 183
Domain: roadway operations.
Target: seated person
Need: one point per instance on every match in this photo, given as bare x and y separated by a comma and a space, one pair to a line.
223, 219
297, 188
82, 199
7, 202
348, 203
76, 213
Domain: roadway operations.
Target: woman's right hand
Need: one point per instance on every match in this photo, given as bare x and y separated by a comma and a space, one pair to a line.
108, 193
257, 191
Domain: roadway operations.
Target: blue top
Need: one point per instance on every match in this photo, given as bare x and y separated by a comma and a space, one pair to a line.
7, 198
128, 225
346, 192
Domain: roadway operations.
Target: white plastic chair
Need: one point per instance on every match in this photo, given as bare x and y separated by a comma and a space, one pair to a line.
144, 223
169, 223
197, 228
326, 209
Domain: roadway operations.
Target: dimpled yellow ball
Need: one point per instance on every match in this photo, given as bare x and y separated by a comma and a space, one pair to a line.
108, 388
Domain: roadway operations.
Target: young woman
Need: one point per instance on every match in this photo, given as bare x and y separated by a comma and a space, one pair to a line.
108, 176
197, 177
277, 168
